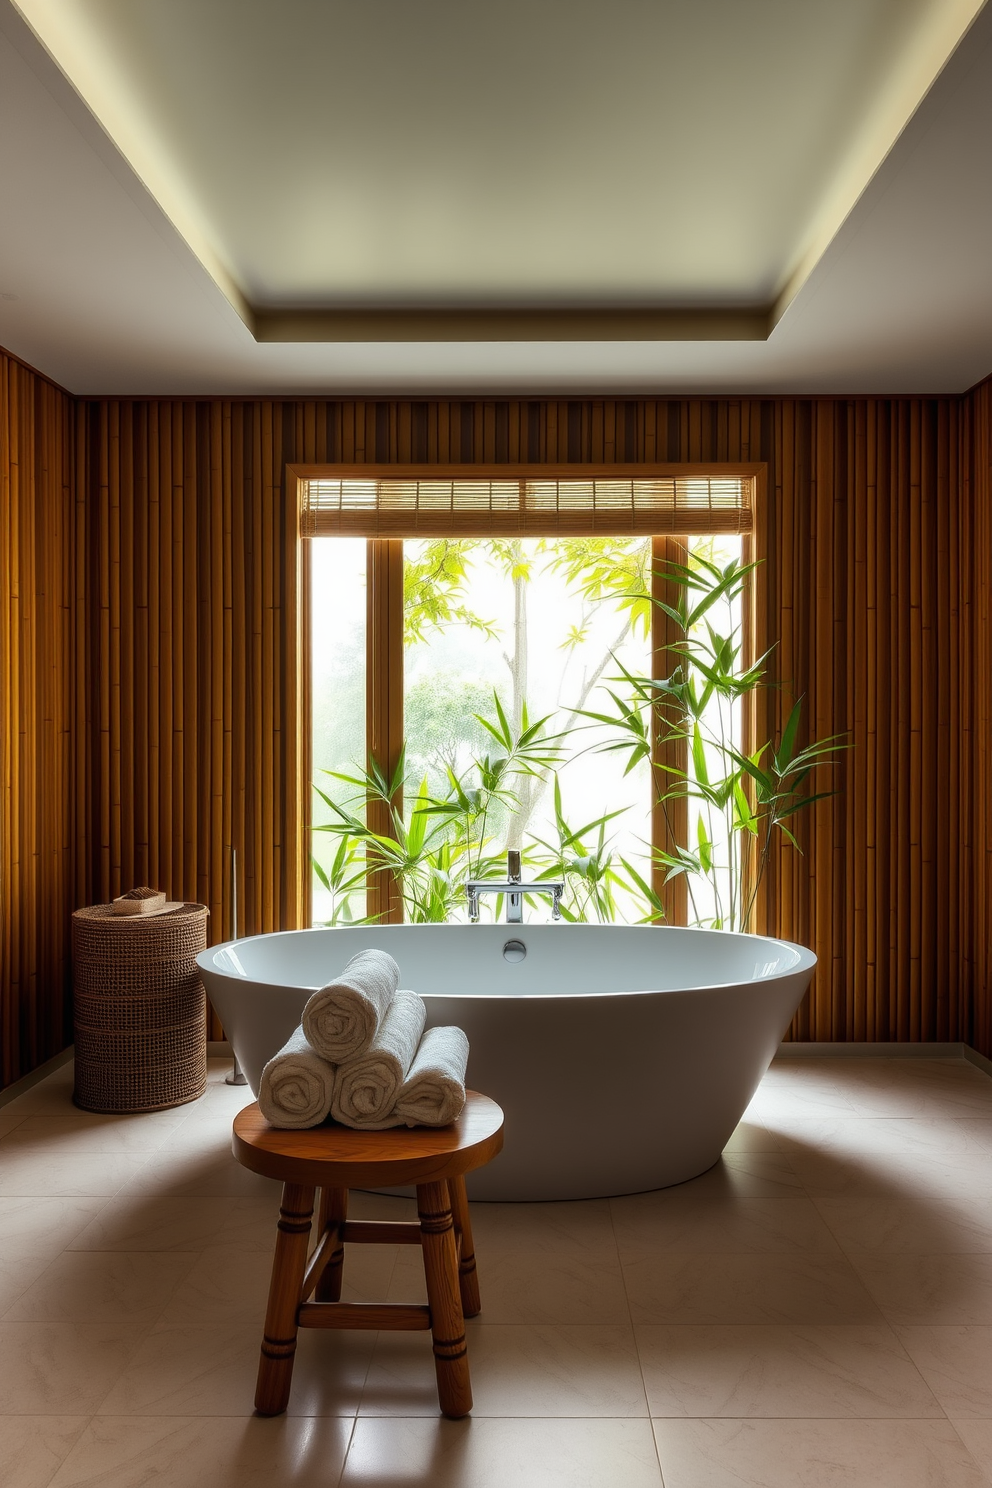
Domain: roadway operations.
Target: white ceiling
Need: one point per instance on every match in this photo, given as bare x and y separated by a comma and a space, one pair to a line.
214, 160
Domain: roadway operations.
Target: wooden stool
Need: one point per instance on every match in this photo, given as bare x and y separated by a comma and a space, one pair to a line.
334, 1159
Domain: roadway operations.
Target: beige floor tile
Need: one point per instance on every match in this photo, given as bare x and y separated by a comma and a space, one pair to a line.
197, 1161
928, 1288
922, 1100
977, 1437
86, 1133
368, 1271
144, 1222
815, 1454
219, 1102
890, 1175
139, 1222
18, 1272
956, 1363
202, 1134
231, 1286
51, 1096
223, 1286
751, 1136
501, 1454
103, 1286
189, 1372
23, 1174
363, 1205
545, 1229
910, 1226
855, 1135
201, 1175
516, 1372
648, 1223
40, 1223
977, 1130
32, 1447
62, 1368
746, 1307
780, 1371
941, 1089
521, 1288
861, 1079
747, 1288
251, 1224
32, 1233
210, 1371
747, 1174
770, 1105
197, 1452
330, 1373
218, 1067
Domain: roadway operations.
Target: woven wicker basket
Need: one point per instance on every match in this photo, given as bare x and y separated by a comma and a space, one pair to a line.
139, 1008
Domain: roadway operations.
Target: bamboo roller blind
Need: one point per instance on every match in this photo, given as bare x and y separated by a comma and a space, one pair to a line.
537, 508
150, 668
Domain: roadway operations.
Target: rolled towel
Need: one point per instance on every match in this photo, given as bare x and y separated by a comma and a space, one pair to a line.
433, 1092
296, 1085
365, 1089
342, 1019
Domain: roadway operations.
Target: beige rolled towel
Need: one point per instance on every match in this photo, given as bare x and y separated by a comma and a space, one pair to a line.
342, 1019
297, 1086
433, 1092
365, 1089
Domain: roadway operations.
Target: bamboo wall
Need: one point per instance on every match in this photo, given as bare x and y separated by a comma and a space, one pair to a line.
972, 702
873, 537
188, 712
37, 884
862, 549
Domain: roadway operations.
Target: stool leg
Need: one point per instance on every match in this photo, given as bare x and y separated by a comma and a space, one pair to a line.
468, 1276
437, 1237
275, 1367
333, 1210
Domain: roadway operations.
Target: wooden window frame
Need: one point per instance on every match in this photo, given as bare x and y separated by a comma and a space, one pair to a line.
384, 635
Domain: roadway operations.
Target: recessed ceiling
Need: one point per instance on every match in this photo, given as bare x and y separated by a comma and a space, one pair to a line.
373, 195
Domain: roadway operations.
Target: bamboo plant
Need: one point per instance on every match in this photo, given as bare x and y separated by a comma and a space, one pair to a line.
738, 803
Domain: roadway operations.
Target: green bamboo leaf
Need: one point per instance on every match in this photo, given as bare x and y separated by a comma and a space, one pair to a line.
705, 846
784, 752
803, 802
725, 586
642, 885
698, 755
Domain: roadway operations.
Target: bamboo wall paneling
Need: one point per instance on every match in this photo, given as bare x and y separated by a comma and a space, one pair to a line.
974, 708
195, 629
858, 523
150, 599
37, 693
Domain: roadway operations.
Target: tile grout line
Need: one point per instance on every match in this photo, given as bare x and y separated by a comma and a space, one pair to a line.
637, 1350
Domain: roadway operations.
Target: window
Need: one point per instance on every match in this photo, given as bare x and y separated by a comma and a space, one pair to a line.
479, 609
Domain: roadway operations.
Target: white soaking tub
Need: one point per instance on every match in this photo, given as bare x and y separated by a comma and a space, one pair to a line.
623, 1055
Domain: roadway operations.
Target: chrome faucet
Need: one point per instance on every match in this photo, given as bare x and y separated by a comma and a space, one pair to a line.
514, 890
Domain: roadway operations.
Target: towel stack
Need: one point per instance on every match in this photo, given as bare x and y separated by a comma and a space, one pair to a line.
361, 1056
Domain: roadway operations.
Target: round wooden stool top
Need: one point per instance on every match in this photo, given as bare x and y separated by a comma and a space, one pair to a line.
370, 1159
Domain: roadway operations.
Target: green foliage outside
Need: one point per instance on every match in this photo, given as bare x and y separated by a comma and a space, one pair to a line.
458, 817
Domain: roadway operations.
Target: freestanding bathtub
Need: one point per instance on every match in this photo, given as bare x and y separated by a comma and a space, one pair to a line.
622, 1055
